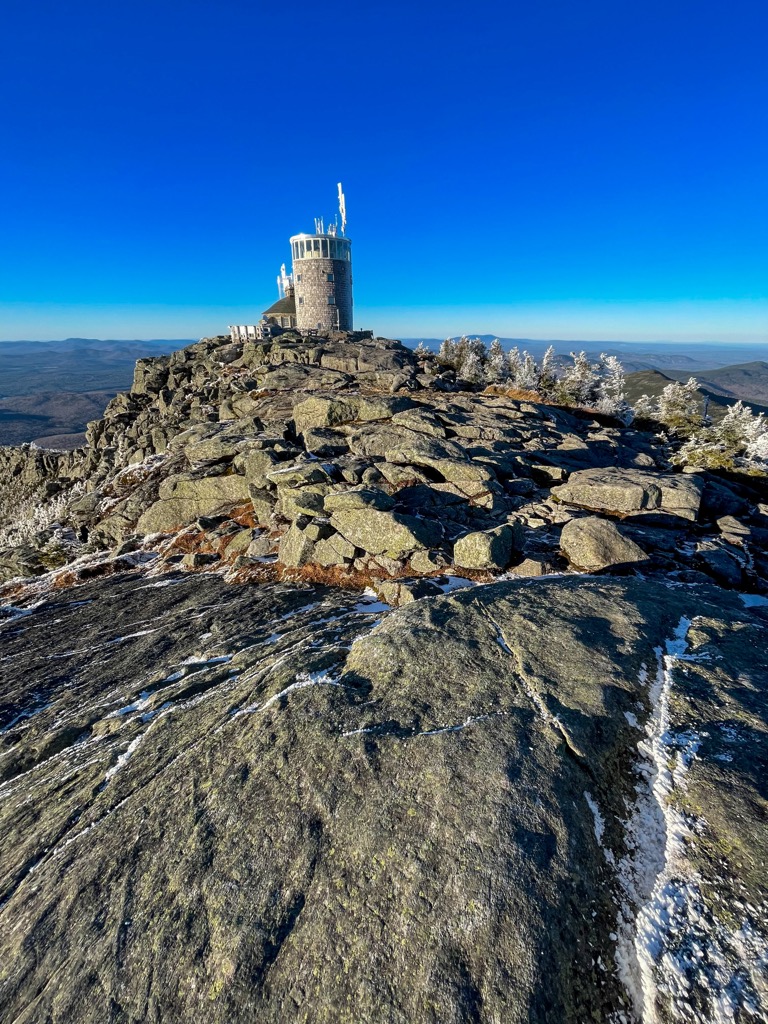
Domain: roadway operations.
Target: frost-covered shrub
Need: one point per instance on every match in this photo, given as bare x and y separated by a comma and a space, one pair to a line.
679, 408
35, 515
447, 353
548, 374
579, 383
646, 408
757, 450
497, 369
612, 398
739, 441
528, 375
472, 367
513, 364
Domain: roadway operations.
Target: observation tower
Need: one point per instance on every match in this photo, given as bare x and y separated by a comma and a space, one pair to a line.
322, 275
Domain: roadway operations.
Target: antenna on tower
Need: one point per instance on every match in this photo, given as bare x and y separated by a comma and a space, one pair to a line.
342, 209
284, 281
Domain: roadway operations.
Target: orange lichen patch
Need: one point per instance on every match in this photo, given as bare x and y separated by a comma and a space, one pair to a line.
243, 514
184, 543
84, 573
262, 573
330, 576
12, 590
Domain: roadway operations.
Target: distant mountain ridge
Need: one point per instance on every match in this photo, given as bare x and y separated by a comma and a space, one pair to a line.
653, 382
74, 364
49, 390
748, 381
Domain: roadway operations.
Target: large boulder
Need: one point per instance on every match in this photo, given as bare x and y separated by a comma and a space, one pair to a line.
488, 549
358, 498
296, 546
632, 491
333, 550
595, 543
319, 411
382, 532
183, 499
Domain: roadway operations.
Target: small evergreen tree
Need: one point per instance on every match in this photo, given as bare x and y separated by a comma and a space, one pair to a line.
478, 346
579, 383
447, 354
513, 363
739, 439
679, 408
548, 374
462, 348
646, 408
611, 385
497, 369
472, 369
757, 451
528, 375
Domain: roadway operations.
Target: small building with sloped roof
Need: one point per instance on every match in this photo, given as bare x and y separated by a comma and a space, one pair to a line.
283, 312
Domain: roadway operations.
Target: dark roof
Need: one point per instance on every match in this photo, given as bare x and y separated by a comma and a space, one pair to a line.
283, 307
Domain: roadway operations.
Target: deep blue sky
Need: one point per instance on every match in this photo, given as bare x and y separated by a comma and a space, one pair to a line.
549, 168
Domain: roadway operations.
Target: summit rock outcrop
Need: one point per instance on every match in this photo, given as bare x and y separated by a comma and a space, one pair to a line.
334, 688
353, 452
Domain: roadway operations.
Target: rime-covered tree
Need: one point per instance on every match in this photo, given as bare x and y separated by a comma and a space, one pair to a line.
462, 349
528, 374
646, 408
513, 363
612, 397
579, 383
447, 354
478, 345
472, 368
548, 374
497, 368
739, 440
680, 408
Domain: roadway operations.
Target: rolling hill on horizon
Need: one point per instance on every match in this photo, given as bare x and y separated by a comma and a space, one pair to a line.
75, 364
746, 381
653, 382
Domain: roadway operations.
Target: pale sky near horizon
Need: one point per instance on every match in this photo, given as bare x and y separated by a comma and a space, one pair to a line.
685, 323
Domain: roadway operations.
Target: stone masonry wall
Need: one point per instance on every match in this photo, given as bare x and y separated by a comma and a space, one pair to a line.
314, 289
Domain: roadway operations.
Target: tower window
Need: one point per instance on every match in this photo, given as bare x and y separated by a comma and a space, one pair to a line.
331, 300
330, 277
298, 278
301, 300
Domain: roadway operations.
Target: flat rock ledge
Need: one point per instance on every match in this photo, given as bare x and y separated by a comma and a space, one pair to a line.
533, 801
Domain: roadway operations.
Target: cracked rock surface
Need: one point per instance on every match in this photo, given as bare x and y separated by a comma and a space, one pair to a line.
283, 802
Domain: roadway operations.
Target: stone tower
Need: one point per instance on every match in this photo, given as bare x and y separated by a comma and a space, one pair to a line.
322, 281
322, 276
